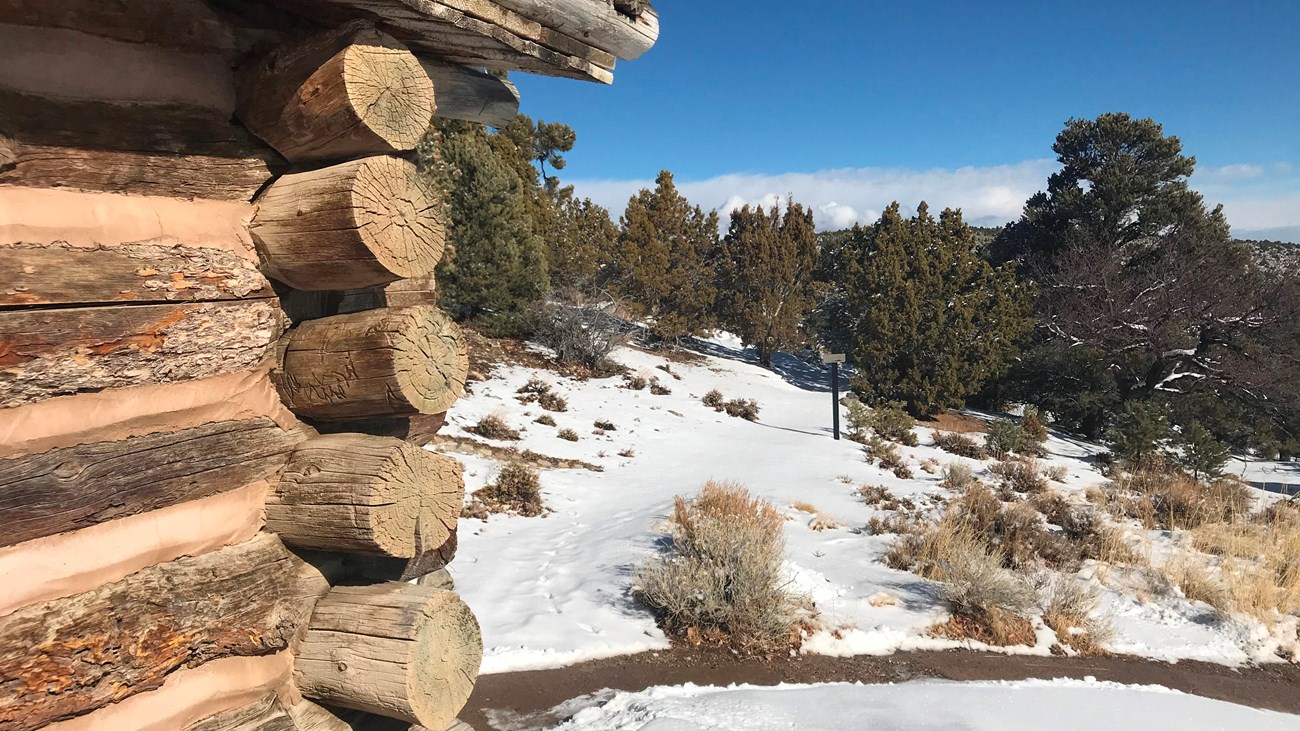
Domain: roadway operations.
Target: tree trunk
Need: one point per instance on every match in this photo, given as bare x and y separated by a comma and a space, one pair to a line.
59, 274
357, 224
70, 656
46, 353
75, 487
394, 649
188, 24
266, 714
595, 22
389, 362
349, 92
362, 494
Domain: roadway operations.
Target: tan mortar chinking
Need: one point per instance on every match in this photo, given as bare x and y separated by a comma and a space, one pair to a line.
356, 224
386, 362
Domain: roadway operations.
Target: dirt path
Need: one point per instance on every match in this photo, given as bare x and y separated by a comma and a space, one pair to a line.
521, 701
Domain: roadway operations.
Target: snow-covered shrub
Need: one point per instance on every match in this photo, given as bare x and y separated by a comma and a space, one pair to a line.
1006, 438
635, 382
1020, 476
959, 444
545, 420
721, 583
567, 435
493, 426
552, 401
1071, 608
742, 408
516, 489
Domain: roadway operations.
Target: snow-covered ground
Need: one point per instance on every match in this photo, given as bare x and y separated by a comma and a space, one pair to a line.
554, 590
1067, 705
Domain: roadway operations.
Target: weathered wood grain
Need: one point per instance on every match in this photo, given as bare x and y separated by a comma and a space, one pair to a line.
595, 22
464, 93
75, 487
266, 714
141, 273
389, 362
188, 24
363, 494
394, 649
348, 92
67, 657
356, 224
46, 353
153, 148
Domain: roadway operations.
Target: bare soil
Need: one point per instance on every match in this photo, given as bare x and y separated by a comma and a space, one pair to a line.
952, 421
522, 701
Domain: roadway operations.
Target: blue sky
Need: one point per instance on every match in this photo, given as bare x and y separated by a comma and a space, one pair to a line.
849, 105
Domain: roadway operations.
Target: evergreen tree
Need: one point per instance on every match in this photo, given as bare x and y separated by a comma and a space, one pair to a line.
495, 266
1201, 454
1140, 432
765, 274
663, 260
929, 321
582, 244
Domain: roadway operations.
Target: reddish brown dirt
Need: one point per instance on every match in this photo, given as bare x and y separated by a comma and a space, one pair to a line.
955, 422
524, 698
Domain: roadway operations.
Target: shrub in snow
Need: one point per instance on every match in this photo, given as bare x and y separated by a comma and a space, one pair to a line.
635, 383
516, 489
714, 400
741, 408
887, 420
583, 333
721, 583
545, 420
1020, 476
1140, 432
568, 435
659, 389
552, 402
1200, 453
1171, 500
886, 453
604, 425
957, 476
1031, 423
1071, 609
493, 426
959, 444
1006, 438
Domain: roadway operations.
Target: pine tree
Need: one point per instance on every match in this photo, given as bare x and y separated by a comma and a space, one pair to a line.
581, 245
1140, 431
765, 274
1200, 453
929, 321
663, 260
495, 266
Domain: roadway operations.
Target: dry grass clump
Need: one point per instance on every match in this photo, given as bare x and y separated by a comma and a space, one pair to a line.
538, 391
959, 444
516, 489
1020, 476
493, 426
1193, 577
741, 408
1056, 472
1071, 609
879, 497
886, 453
567, 435
1259, 560
552, 402
545, 420
714, 400
627, 453
659, 389
721, 584
1170, 500
957, 477
635, 382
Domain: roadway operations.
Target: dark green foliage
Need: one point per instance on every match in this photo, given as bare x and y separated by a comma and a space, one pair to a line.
495, 267
959, 444
1031, 422
663, 263
927, 321
580, 245
1140, 432
1200, 453
889, 421
765, 274
1006, 437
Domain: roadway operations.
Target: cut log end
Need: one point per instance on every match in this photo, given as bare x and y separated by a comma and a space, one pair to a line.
363, 494
390, 92
389, 362
357, 224
396, 650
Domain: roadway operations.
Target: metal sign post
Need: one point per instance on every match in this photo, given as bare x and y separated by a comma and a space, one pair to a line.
834, 359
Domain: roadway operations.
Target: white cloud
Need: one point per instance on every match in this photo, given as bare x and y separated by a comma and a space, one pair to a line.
1254, 196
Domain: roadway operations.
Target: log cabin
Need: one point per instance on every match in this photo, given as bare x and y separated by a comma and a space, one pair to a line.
220, 352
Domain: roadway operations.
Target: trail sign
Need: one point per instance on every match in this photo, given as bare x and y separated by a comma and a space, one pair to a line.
832, 357
834, 360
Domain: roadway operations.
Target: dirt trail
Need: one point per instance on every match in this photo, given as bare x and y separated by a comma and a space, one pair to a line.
521, 701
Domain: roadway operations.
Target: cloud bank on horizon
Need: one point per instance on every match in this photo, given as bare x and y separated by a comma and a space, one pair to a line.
1261, 201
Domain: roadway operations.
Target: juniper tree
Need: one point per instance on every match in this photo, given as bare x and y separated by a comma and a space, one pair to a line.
663, 260
929, 321
765, 274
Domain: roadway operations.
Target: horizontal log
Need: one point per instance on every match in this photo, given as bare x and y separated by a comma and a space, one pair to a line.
595, 22
68, 64
187, 24
76, 218
120, 413
469, 94
140, 273
501, 15
362, 494
389, 362
264, 714
75, 487
65, 658
141, 148
356, 224
340, 94
47, 353
354, 568
77, 561
396, 650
